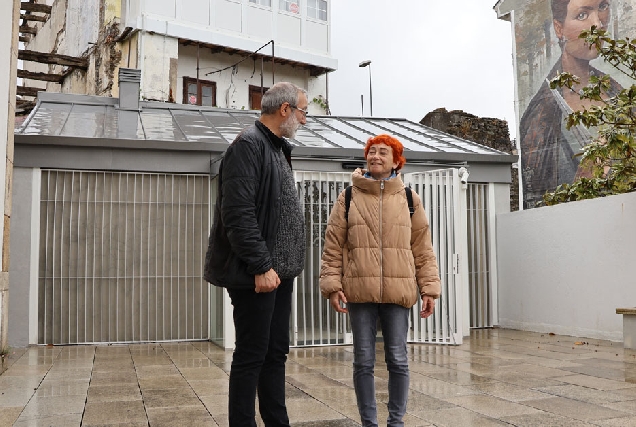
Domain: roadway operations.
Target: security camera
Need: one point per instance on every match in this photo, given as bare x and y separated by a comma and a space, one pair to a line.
463, 175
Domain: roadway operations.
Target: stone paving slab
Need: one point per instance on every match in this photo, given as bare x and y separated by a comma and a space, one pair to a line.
497, 377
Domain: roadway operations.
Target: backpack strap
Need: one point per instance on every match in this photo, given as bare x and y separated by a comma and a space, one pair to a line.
409, 199
347, 202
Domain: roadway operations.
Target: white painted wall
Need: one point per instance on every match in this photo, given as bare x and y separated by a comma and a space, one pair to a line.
238, 24
232, 89
566, 268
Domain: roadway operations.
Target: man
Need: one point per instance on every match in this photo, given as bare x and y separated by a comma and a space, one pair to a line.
256, 249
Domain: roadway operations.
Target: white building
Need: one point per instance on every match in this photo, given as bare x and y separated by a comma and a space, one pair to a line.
205, 52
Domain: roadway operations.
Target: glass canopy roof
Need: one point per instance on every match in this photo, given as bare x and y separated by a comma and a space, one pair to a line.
94, 117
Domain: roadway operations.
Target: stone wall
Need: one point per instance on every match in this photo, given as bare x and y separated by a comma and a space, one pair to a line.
9, 18
490, 132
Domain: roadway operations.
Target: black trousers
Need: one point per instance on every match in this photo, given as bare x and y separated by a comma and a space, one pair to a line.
261, 322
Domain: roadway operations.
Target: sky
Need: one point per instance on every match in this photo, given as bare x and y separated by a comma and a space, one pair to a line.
424, 55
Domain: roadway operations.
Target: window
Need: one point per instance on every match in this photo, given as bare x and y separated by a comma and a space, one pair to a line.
267, 3
203, 93
289, 6
255, 97
317, 9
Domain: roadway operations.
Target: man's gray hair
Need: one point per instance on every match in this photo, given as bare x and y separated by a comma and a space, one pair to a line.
279, 94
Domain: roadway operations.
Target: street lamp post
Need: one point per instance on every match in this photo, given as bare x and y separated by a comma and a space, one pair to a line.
362, 65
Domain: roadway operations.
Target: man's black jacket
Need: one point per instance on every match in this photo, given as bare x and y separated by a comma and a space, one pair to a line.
247, 209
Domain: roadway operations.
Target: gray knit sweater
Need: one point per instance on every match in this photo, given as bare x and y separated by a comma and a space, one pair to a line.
288, 255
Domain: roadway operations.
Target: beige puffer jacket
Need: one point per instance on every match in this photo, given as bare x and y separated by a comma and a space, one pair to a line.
378, 254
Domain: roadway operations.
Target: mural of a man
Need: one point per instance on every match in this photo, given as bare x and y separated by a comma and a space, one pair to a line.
549, 150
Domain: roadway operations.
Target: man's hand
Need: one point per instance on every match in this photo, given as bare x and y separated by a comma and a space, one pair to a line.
335, 299
267, 281
428, 306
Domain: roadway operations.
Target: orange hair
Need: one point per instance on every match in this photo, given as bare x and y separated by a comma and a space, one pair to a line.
395, 145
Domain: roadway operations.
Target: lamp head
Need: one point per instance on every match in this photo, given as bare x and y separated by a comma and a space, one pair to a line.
364, 63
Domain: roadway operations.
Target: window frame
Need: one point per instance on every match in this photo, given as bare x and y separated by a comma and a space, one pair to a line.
318, 10
201, 83
257, 3
255, 89
286, 10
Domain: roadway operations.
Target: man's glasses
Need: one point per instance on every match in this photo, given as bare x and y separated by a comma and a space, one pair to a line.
304, 112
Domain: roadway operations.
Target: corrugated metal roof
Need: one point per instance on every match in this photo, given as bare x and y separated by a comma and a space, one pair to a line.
80, 116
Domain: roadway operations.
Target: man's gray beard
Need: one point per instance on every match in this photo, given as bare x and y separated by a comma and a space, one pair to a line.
289, 127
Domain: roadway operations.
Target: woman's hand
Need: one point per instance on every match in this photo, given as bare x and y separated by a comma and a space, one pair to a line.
338, 300
428, 306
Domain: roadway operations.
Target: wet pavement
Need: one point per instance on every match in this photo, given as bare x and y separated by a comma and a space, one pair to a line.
497, 377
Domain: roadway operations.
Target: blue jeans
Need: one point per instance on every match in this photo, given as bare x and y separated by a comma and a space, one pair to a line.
394, 321
261, 322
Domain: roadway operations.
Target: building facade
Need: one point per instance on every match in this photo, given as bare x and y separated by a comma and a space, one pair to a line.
9, 13
220, 53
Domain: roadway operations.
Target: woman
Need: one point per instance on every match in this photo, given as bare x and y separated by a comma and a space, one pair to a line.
548, 149
377, 259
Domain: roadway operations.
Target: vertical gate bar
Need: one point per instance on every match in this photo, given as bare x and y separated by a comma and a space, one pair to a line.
492, 257
479, 266
106, 281
42, 337
171, 258
77, 265
472, 188
317, 184
183, 280
138, 265
129, 251
443, 213
411, 181
426, 185
166, 319
304, 301
93, 251
191, 274
62, 258
84, 274
483, 257
310, 292
449, 250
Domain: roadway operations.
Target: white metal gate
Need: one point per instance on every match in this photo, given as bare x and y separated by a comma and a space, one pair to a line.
444, 199
482, 267
121, 257
315, 323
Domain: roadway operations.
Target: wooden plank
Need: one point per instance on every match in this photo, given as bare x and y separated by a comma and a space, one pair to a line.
56, 78
25, 39
53, 58
28, 30
31, 17
35, 7
29, 91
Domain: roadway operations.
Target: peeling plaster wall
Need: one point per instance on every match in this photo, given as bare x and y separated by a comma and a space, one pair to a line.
81, 28
157, 52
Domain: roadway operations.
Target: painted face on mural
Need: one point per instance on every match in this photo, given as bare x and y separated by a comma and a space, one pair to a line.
581, 15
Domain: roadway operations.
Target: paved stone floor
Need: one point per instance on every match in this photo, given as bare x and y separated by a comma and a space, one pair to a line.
497, 377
